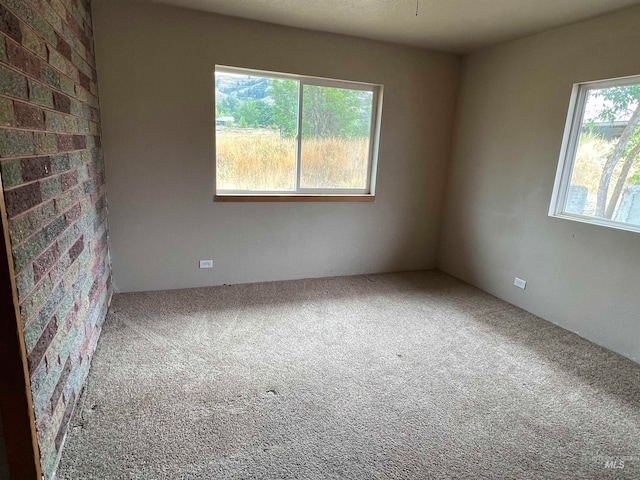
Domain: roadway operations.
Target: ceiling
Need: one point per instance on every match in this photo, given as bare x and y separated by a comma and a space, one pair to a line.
449, 25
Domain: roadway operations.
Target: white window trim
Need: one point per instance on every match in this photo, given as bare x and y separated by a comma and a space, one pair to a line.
568, 153
332, 194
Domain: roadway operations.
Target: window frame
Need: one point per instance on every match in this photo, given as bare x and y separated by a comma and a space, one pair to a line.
366, 194
568, 152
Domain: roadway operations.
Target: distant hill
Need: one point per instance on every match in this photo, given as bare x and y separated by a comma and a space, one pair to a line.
241, 87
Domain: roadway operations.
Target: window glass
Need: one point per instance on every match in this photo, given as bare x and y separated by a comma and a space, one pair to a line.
280, 133
255, 133
599, 175
336, 125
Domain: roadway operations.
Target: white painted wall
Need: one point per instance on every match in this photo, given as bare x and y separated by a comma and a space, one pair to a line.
155, 65
510, 121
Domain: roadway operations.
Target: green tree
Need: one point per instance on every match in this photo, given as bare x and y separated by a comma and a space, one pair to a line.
330, 112
285, 106
326, 111
265, 115
227, 106
249, 112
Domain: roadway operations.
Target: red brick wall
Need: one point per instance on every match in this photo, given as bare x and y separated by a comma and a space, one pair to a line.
53, 180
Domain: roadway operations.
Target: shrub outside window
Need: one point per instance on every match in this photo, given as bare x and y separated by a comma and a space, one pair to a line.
598, 177
282, 135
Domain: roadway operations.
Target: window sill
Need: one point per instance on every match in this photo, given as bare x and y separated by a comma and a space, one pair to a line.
602, 222
293, 198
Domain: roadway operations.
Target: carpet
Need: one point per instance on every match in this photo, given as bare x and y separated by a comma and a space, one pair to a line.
394, 376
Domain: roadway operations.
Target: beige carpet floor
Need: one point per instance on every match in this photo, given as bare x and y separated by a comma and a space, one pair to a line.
394, 376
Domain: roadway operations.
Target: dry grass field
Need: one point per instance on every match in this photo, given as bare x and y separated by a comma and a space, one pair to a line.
258, 159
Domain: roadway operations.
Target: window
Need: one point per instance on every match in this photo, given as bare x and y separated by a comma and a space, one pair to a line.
291, 137
598, 177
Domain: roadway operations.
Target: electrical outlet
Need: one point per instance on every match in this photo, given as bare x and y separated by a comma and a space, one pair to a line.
206, 263
520, 283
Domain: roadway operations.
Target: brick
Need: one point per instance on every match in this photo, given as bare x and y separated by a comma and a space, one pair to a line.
72, 276
28, 116
82, 51
21, 8
82, 94
76, 14
67, 310
43, 28
50, 188
49, 76
83, 127
28, 251
41, 401
63, 47
70, 124
59, 8
83, 66
12, 83
57, 61
61, 102
3, 50
25, 282
35, 168
40, 94
83, 174
60, 163
10, 24
49, 423
48, 463
77, 247
32, 41
64, 376
51, 16
89, 186
87, 156
45, 261
68, 413
80, 109
23, 59
60, 267
68, 180
76, 29
73, 214
67, 86
22, 198
79, 142
11, 173
54, 229
85, 81
65, 143
53, 297
34, 302
45, 143
68, 199
6, 112
54, 122
38, 377
14, 143
37, 352
22, 227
